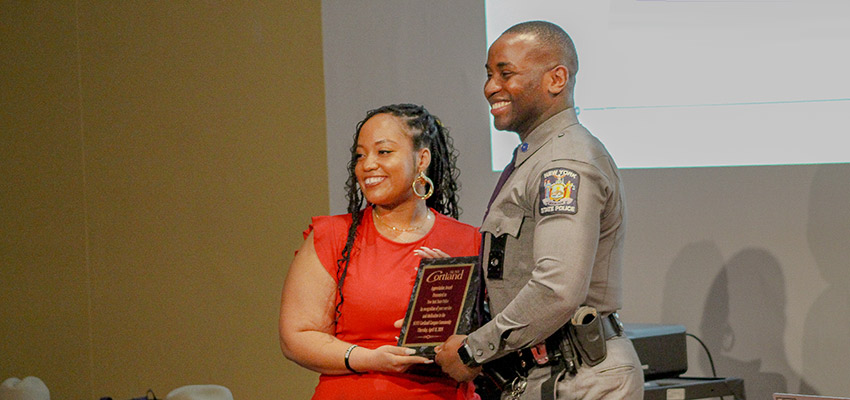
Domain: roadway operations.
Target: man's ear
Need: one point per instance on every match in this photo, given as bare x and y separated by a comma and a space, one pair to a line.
558, 78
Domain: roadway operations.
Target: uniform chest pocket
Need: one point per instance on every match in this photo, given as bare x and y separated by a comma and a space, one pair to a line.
504, 219
501, 227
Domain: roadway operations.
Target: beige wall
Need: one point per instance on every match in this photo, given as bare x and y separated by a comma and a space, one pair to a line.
158, 162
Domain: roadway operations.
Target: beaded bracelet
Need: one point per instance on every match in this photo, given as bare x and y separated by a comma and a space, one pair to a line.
347, 354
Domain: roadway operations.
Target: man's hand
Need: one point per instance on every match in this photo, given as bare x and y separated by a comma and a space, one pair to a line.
450, 362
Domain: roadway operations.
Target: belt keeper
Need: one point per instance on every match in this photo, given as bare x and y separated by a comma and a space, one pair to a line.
347, 354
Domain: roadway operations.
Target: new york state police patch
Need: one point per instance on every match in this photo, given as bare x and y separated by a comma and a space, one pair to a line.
558, 191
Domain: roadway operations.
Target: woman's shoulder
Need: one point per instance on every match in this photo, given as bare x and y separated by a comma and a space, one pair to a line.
339, 219
329, 236
328, 225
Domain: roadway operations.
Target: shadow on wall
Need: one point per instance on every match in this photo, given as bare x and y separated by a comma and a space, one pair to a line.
826, 334
686, 280
685, 285
743, 317
744, 323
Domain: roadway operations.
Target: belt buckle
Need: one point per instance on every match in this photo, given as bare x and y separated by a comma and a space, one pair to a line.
538, 351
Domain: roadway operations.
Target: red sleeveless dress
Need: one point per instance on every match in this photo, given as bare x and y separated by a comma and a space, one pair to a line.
377, 290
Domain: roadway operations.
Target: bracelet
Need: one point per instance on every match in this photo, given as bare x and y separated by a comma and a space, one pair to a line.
347, 354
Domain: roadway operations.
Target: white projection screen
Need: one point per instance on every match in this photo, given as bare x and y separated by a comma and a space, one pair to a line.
692, 83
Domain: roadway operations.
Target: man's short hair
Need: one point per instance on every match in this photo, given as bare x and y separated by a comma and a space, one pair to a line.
553, 37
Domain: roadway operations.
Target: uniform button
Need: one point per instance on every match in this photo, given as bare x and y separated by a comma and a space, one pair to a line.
498, 229
479, 352
492, 347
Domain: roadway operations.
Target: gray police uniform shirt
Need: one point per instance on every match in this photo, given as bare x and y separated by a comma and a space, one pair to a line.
564, 213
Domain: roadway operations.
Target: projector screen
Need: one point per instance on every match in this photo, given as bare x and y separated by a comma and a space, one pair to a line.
689, 83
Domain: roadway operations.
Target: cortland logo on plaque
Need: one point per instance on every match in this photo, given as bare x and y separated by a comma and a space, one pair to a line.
559, 191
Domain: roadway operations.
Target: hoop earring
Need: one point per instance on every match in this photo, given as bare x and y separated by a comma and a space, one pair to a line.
425, 181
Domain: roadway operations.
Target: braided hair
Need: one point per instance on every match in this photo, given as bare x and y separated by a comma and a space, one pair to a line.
427, 131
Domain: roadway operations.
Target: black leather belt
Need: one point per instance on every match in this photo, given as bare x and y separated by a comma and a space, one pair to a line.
548, 352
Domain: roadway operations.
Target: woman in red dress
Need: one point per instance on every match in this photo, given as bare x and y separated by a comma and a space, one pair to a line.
352, 278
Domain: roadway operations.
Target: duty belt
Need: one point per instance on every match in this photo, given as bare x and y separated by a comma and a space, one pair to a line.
504, 374
549, 352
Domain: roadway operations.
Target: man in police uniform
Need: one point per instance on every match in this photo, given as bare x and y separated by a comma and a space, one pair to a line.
553, 235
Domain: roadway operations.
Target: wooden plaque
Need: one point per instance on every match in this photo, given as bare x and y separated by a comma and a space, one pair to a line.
442, 303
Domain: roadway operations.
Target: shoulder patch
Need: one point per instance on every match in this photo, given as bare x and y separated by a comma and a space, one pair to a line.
558, 192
